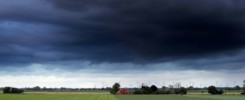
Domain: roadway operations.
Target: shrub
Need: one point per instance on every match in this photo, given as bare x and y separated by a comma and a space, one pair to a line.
167, 92
12, 90
160, 92
220, 92
183, 91
213, 90
154, 90
137, 92
146, 90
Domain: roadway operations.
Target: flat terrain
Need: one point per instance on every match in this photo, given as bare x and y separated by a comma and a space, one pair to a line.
100, 96
37, 96
177, 97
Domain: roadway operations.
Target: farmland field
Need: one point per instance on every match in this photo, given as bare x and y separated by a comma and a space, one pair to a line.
100, 96
53, 96
178, 97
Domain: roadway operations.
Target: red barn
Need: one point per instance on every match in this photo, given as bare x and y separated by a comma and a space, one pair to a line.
122, 91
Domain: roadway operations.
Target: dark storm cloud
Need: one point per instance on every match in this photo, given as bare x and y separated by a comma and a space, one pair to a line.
131, 31
162, 29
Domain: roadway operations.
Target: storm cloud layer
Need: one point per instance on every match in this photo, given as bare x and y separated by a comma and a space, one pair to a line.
126, 31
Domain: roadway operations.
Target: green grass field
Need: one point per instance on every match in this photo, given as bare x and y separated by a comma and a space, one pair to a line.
178, 97
100, 96
38, 96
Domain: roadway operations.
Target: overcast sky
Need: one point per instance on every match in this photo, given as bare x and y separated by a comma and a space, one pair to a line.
94, 43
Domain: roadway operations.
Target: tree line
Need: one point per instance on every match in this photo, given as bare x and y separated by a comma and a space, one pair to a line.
12, 90
153, 89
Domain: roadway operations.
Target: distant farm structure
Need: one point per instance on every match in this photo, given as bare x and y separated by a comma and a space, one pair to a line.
122, 91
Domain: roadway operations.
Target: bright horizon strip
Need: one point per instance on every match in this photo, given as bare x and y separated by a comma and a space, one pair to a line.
85, 79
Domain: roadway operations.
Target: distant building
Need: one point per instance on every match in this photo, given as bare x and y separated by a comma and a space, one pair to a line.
122, 91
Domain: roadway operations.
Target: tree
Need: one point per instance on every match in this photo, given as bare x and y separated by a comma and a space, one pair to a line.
190, 88
183, 91
163, 88
171, 89
177, 86
137, 92
180, 90
145, 90
36, 88
213, 90
115, 88
12, 90
154, 88
44, 88
237, 87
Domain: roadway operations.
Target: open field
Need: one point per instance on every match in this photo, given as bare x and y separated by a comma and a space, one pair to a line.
53, 96
226, 92
178, 97
106, 96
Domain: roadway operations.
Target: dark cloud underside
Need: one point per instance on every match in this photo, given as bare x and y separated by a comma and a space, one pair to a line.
137, 31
